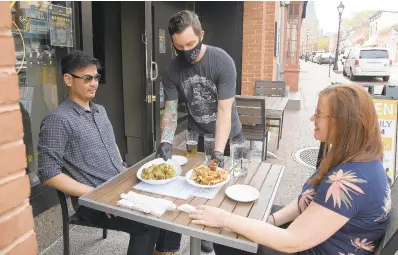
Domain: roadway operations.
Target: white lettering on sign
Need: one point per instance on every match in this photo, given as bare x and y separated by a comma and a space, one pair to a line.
384, 109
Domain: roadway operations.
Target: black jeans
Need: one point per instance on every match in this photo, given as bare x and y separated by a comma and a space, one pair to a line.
142, 237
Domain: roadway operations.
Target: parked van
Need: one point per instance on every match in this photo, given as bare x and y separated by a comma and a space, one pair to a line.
368, 61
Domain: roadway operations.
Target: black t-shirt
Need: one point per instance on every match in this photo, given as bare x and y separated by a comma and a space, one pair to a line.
201, 85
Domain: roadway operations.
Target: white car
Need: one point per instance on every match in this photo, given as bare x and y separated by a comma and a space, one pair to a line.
369, 62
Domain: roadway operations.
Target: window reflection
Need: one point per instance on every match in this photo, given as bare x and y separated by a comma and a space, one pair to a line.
43, 34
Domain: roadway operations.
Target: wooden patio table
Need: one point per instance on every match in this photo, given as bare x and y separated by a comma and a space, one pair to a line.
263, 176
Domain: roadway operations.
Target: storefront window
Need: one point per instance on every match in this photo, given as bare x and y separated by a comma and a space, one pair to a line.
43, 34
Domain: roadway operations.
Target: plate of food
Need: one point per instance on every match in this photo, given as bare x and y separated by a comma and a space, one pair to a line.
204, 177
158, 171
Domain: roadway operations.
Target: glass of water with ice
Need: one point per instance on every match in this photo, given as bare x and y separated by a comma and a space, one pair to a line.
209, 141
239, 158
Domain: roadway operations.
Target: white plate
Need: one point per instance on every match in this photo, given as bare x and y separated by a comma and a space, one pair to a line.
193, 183
177, 169
181, 160
242, 193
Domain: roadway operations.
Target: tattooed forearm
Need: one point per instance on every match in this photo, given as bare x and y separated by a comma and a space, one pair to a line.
169, 121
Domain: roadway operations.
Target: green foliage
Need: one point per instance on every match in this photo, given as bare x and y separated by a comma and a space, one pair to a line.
358, 17
323, 43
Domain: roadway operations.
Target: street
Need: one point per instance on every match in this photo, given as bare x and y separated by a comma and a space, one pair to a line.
378, 82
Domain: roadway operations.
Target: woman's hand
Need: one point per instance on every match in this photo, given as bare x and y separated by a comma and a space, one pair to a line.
209, 216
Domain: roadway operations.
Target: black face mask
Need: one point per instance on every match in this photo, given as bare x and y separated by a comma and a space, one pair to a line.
192, 54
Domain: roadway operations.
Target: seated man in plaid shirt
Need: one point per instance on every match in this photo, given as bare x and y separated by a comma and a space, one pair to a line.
78, 151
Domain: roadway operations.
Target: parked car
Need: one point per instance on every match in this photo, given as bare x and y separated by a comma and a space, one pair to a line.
315, 58
368, 61
345, 54
325, 58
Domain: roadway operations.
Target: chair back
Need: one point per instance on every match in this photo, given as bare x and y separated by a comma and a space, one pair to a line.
251, 112
271, 88
64, 205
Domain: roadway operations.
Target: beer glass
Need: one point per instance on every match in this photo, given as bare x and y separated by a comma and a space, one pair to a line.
192, 138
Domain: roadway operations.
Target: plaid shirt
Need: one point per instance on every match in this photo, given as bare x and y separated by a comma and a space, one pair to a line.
80, 143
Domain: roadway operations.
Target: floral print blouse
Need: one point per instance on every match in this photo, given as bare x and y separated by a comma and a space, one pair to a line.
359, 191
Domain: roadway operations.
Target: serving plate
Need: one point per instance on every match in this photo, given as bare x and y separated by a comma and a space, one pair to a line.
193, 183
176, 166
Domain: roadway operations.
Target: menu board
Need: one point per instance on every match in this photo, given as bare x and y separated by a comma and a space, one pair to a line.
387, 114
61, 31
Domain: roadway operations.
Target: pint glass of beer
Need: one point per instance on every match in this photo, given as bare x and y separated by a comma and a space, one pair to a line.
192, 138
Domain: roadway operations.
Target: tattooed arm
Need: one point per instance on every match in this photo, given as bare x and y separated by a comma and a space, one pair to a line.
223, 123
169, 121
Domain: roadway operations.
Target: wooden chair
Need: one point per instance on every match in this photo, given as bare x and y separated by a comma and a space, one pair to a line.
75, 219
273, 89
251, 113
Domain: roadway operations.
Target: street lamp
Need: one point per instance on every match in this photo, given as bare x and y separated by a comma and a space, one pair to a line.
340, 9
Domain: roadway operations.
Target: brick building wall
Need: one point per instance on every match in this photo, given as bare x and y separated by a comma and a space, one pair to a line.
16, 221
258, 61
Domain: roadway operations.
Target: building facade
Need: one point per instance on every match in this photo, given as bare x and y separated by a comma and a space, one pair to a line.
123, 36
388, 38
310, 24
378, 22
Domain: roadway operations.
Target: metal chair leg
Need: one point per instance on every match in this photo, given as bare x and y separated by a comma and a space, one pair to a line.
266, 145
104, 233
281, 122
264, 152
277, 147
66, 237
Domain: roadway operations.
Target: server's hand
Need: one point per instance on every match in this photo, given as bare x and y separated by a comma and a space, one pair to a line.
219, 156
165, 151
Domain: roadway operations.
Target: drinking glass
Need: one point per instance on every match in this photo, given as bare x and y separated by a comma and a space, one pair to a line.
191, 143
239, 158
209, 141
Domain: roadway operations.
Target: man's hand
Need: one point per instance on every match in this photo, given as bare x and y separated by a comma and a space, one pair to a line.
165, 151
219, 156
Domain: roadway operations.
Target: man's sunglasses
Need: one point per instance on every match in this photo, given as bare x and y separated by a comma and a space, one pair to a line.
87, 78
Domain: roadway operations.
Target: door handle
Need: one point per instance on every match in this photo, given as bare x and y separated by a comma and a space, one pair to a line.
154, 76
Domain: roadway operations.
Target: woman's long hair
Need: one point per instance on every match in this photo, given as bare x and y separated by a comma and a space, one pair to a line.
355, 126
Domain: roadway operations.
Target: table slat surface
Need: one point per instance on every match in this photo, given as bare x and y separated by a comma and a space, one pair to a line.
263, 176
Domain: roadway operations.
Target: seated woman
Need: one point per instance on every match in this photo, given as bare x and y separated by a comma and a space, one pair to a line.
344, 208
